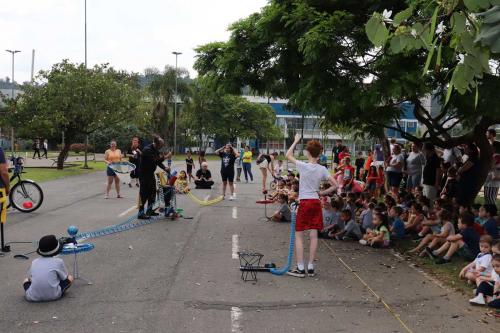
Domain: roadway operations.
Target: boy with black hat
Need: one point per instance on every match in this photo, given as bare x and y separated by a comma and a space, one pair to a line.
48, 277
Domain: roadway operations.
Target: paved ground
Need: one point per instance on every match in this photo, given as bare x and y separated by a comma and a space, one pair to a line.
180, 276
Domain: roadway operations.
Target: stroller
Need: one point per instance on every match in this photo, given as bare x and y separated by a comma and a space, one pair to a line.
166, 193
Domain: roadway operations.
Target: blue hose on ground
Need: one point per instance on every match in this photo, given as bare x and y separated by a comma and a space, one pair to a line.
282, 271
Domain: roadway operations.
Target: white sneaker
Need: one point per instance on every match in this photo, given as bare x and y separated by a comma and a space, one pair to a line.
363, 242
231, 197
478, 300
234, 196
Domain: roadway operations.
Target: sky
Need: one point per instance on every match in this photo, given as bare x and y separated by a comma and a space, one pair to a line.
129, 35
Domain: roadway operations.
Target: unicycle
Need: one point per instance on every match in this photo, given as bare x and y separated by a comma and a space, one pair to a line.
26, 195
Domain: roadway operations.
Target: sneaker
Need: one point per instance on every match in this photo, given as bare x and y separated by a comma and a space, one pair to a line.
441, 261
428, 251
152, 213
363, 242
143, 216
297, 273
233, 197
310, 272
478, 300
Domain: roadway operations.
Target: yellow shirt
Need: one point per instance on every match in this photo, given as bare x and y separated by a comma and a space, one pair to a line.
247, 157
113, 156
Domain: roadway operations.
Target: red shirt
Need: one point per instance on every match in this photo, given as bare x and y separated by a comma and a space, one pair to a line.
342, 155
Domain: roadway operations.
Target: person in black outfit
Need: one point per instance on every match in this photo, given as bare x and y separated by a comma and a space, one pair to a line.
189, 165
335, 152
150, 160
359, 163
36, 148
203, 177
228, 156
134, 157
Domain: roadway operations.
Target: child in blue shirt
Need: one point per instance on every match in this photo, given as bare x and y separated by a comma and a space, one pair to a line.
398, 227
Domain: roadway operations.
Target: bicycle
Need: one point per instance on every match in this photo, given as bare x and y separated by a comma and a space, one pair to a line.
25, 195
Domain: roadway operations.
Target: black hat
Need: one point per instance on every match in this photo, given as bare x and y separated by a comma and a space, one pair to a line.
49, 246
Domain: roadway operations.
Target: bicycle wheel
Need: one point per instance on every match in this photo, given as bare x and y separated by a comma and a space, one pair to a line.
26, 196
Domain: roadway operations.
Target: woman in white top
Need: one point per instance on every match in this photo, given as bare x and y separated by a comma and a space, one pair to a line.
395, 169
414, 166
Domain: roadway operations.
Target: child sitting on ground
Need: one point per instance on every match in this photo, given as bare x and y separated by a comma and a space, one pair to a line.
351, 229
481, 266
437, 238
466, 243
283, 214
488, 292
397, 228
181, 183
331, 218
366, 217
414, 224
47, 278
379, 236
371, 180
430, 225
487, 214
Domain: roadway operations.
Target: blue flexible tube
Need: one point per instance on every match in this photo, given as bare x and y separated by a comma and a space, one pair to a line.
282, 271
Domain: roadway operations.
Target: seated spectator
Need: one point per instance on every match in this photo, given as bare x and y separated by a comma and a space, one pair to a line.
450, 189
331, 218
397, 227
181, 183
283, 214
204, 177
48, 278
465, 244
481, 266
430, 224
366, 217
351, 229
487, 214
488, 292
436, 238
378, 237
414, 224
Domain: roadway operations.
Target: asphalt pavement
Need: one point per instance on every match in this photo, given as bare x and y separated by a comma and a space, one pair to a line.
183, 276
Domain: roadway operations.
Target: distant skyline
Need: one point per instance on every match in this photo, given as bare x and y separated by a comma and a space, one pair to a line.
129, 35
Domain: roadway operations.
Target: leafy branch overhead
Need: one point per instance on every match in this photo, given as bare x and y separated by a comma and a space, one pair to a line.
462, 35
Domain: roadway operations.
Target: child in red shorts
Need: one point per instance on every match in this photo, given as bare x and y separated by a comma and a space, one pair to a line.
309, 214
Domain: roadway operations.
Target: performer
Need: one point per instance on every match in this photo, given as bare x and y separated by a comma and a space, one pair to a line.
228, 156
309, 214
112, 155
266, 163
150, 159
134, 157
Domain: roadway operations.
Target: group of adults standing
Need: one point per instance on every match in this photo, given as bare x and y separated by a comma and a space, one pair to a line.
40, 145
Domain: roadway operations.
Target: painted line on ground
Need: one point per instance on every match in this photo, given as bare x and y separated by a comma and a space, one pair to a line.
127, 211
235, 247
235, 319
235, 212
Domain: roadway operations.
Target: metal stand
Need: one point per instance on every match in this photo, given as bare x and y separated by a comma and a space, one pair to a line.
4, 247
76, 274
249, 265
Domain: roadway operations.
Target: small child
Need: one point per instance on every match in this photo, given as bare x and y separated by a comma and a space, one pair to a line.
481, 265
414, 224
190, 165
239, 167
351, 229
169, 159
437, 238
347, 175
181, 183
488, 292
450, 189
331, 217
397, 228
487, 214
466, 243
378, 237
283, 214
366, 217
278, 169
47, 278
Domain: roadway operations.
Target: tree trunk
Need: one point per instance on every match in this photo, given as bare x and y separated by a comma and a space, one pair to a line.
62, 155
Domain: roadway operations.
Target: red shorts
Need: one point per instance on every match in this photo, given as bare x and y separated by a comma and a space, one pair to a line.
309, 215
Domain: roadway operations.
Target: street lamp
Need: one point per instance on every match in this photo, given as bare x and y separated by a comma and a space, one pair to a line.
175, 102
13, 52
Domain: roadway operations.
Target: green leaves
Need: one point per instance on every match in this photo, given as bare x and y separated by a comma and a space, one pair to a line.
402, 16
489, 35
376, 31
477, 5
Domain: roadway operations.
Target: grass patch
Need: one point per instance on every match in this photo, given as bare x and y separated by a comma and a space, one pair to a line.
446, 273
45, 174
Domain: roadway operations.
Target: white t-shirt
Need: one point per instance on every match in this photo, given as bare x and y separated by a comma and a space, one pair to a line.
399, 158
415, 163
311, 176
483, 260
495, 276
45, 275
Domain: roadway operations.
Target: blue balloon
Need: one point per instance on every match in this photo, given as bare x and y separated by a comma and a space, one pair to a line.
72, 230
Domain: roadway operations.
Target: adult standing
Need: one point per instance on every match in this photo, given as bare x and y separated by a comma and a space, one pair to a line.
247, 163
493, 179
112, 155
431, 172
491, 135
134, 157
414, 166
266, 163
36, 148
45, 148
467, 174
368, 163
395, 169
228, 156
201, 158
359, 163
150, 160
337, 149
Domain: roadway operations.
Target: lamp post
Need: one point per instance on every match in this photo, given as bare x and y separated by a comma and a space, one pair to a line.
175, 102
85, 165
13, 52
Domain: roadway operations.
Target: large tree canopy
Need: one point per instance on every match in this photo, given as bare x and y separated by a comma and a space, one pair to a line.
75, 100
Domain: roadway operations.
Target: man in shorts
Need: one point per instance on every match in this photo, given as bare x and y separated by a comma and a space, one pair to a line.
228, 157
309, 214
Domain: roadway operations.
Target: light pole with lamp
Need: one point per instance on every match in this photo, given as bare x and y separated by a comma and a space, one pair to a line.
175, 102
13, 52
85, 165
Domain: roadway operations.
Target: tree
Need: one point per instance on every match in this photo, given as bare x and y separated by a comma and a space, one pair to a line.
318, 55
77, 101
161, 88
